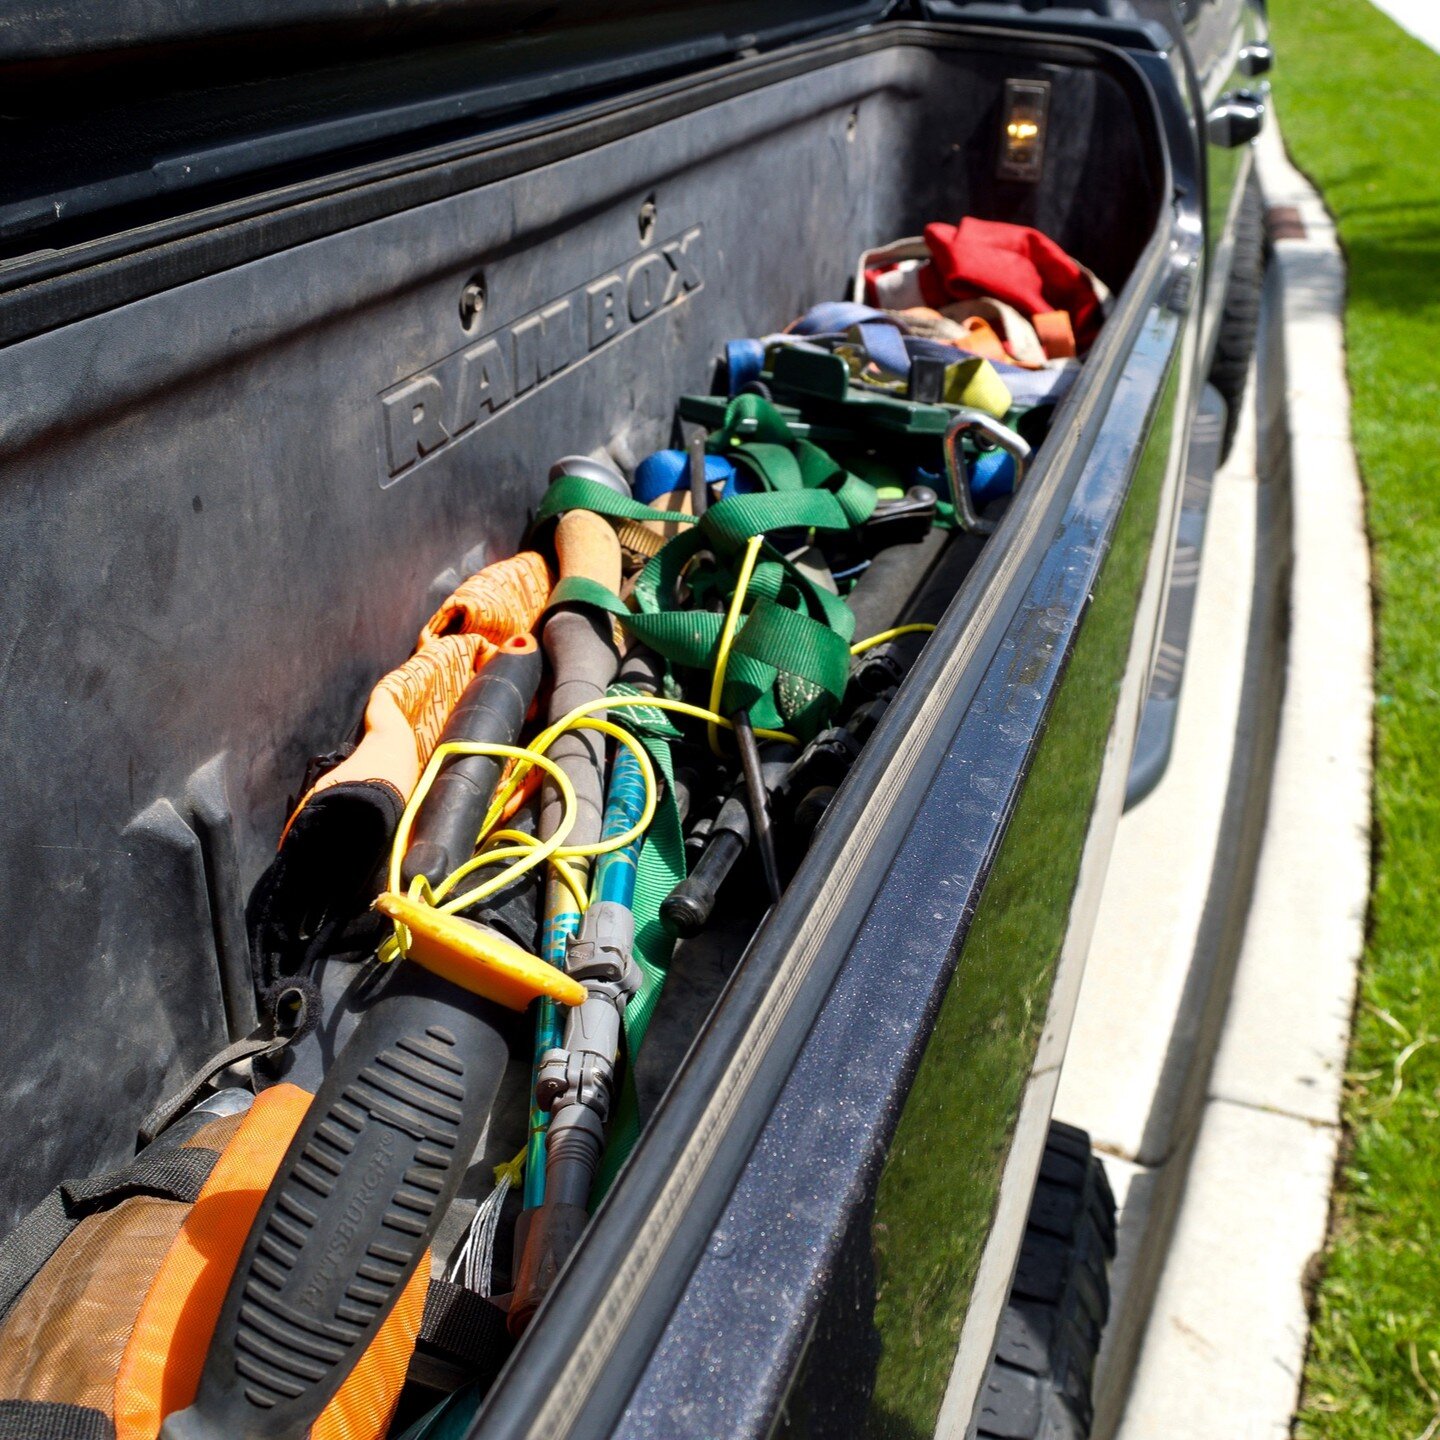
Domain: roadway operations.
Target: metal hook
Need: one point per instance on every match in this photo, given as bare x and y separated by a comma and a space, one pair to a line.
967, 418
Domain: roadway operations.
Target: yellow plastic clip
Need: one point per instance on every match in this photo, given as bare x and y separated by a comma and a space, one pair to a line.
476, 959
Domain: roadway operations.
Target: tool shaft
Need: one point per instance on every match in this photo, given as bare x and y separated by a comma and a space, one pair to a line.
580, 646
576, 1080
699, 491
759, 806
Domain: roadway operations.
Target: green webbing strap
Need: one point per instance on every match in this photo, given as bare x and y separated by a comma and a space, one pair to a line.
789, 663
770, 426
782, 464
787, 470
686, 637
786, 669
576, 492
660, 869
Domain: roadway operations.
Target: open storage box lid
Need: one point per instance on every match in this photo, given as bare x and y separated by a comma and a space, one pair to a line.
121, 113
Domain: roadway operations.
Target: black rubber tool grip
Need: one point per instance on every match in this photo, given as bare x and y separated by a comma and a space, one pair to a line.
356, 1200
491, 711
686, 910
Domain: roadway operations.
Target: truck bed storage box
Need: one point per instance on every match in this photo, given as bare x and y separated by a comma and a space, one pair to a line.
246, 447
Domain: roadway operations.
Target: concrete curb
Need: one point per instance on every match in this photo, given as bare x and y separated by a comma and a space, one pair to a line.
1225, 1344
1225, 1133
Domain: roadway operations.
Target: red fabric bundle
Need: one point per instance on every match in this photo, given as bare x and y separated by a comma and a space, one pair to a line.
1013, 263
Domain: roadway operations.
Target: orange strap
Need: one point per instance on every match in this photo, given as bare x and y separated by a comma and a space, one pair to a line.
980, 339
1056, 333
160, 1369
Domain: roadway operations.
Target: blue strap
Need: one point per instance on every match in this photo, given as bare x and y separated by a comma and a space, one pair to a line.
992, 474
886, 345
921, 347
832, 317
1038, 387
744, 360
669, 470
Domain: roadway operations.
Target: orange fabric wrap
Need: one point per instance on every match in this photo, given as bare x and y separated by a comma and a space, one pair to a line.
160, 1370
504, 599
406, 713
408, 709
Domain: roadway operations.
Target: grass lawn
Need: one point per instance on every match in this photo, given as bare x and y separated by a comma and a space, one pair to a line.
1359, 101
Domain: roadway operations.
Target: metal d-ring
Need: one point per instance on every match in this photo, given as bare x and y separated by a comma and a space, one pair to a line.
1014, 445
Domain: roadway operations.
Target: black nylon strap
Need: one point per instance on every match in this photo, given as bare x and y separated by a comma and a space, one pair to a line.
169, 1175
43, 1420
250, 1048
29, 1245
465, 1328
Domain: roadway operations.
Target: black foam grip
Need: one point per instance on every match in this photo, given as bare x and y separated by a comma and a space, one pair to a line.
491, 711
583, 660
351, 1209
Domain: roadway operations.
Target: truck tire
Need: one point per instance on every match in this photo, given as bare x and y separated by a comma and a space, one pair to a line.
1240, 318
1039, 1383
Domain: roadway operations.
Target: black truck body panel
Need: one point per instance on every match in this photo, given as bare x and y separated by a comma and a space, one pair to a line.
243, 452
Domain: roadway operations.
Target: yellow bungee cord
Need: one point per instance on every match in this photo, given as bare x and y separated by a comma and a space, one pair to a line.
727, 638
524, 852
869, 643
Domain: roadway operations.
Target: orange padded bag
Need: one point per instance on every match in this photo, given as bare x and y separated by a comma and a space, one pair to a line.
160, 1370
127, 1276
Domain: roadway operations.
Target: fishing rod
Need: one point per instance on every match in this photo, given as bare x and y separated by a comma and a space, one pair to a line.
579, 643
576, 1083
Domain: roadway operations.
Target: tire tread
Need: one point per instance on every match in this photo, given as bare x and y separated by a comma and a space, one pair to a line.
1240, 317
1039, 1383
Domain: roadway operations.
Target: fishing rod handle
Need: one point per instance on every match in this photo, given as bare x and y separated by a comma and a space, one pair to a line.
580, 645
491, 712
354, 1204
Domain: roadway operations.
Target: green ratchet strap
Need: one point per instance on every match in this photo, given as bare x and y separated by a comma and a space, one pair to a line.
576, 492
790, 661
785, 465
